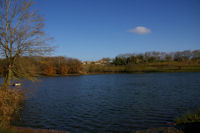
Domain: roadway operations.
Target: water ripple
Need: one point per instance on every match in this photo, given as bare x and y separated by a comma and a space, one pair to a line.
110, 103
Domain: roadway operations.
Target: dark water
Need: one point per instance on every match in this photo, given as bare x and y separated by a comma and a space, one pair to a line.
110, 103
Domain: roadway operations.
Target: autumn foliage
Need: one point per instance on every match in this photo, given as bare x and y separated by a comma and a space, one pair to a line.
46, 66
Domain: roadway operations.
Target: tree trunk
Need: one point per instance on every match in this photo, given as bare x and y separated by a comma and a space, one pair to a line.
6, 84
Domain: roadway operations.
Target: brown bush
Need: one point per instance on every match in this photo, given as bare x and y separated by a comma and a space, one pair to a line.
10, 105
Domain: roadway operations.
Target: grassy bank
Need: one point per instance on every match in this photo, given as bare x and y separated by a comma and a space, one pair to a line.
189, 117
142, 68
187, 123
89, 69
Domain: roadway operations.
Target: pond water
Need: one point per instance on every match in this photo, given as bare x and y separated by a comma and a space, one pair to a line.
110, 102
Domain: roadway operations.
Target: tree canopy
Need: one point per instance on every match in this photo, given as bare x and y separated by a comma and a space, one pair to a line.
21, 34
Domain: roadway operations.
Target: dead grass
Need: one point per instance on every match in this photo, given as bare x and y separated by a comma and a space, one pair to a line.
10, 105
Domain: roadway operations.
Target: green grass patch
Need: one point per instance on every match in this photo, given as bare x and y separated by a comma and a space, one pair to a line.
6, 131
189, 117
143, 68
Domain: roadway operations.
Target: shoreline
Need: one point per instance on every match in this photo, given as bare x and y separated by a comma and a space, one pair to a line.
184, 128
101, 73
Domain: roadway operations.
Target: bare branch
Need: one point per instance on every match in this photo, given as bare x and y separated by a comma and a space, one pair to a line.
21, 31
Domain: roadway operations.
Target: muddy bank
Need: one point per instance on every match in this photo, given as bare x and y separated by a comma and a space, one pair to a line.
33, 130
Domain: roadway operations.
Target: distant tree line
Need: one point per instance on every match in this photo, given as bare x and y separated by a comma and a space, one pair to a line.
186, 56
46, 66
147, 62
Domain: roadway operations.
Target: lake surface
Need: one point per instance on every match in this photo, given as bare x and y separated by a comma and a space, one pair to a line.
110, 102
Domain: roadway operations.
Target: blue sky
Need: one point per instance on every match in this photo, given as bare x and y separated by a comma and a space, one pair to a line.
92, 29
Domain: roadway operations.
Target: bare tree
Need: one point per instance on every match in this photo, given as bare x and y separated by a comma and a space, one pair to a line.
21, 34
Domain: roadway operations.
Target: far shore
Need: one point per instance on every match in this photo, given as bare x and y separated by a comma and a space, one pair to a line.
101, 73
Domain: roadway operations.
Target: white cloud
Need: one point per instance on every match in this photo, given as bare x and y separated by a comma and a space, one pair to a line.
141, 30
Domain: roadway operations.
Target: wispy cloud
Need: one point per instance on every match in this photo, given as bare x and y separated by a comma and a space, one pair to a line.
141, 30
